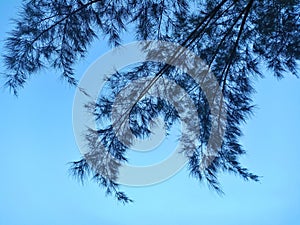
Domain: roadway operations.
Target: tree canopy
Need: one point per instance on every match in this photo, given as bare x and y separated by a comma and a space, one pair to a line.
237, 39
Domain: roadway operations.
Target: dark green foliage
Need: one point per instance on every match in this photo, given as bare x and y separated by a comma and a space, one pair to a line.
233, 37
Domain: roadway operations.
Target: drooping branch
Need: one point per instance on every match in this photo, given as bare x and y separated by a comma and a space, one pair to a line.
63, 19
189, 41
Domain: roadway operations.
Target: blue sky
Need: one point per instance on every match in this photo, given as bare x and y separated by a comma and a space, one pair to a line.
37, 142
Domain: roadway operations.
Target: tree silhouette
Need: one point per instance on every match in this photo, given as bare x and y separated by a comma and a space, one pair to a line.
237, 39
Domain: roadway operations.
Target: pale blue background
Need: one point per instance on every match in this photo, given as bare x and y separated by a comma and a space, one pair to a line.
37, 142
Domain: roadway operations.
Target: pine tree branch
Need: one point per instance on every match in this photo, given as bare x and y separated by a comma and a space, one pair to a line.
228, 32
247, 11
189, 40
63, 19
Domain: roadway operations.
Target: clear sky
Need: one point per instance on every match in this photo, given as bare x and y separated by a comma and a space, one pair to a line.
37, 142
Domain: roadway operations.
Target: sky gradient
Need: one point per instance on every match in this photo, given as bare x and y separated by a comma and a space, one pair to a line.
37, 142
